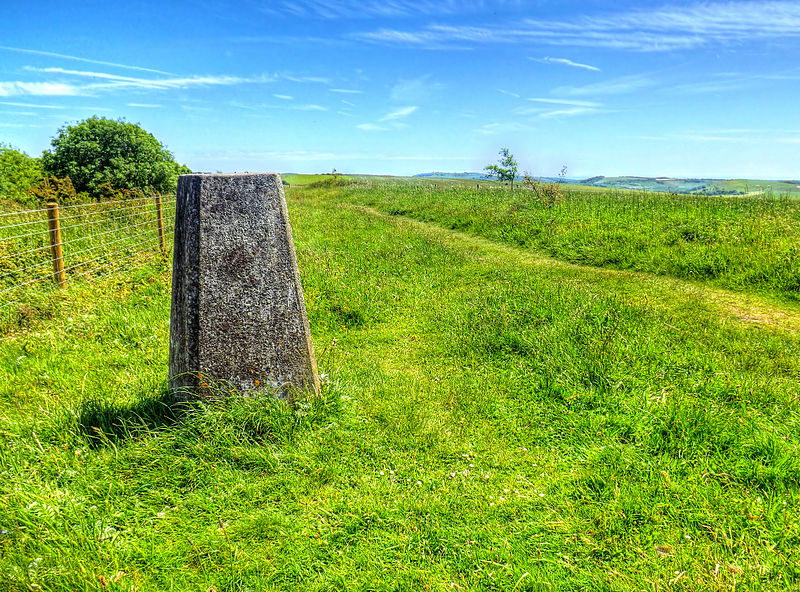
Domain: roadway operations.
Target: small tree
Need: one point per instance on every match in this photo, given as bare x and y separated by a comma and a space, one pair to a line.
98, 150
505, 169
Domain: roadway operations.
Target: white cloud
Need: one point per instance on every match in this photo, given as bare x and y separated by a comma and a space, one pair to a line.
546, 110
492, 129
144, 105
565, 102
31, 105
284, 97
115, 81
565, 62
510, 94
347, 91
79, 59
662, 29
614, 86
414, 90
308, 108
399, 113
558, 113
100, 82
315, 79
53, 89
361, 9
371, 127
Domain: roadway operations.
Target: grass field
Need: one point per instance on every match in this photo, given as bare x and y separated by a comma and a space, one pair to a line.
741, 243
494, 417
776, 188
302, 179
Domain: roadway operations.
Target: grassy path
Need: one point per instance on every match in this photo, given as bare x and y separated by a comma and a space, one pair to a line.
745, 244
648, 288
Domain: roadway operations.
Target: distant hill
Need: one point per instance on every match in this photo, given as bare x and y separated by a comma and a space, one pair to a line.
662, 184
702, 186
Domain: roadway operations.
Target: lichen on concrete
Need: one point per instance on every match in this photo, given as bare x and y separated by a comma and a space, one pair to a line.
238, 316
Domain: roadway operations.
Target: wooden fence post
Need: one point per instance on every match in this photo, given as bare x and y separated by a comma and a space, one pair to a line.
55, 244
160, 223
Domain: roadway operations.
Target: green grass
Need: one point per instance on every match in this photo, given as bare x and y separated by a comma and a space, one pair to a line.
741, 243
96, 238
305, 179
756, 186
491, 420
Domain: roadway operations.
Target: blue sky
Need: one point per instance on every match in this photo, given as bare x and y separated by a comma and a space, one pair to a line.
681, 88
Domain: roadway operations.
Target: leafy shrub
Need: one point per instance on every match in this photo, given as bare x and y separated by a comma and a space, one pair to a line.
18, 173
99, 151
53, 189
547, 194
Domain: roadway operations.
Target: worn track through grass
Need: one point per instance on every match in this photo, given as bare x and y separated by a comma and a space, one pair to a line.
746, 308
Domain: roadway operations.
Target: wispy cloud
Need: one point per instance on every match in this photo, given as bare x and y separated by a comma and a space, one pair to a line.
565, 62
284, 97
662, 29
362, 9
315, 79
308, 108
399, 113
346, 91
509, 93
371, 127
614, 86
561, 113
22, 113
348, 103
54, 107
493, 129
144, 105
105, 82
729, 136
13, 89
309, 155
31, 105
542, 112
62, 56
116, 81
415, 90
565, 102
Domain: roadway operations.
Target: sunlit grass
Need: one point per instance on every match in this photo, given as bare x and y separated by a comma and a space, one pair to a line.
491, 420
742, 243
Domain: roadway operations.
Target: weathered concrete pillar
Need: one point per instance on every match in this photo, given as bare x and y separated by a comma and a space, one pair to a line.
238, 314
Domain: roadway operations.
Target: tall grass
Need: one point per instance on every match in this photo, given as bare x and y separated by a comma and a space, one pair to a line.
742, 243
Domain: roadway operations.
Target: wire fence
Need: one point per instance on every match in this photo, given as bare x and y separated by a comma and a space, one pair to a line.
47, 248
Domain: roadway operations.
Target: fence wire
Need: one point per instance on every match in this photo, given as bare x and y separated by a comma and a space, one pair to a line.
96, 240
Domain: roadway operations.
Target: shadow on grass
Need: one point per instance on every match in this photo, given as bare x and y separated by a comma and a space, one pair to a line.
228, 416
104, 422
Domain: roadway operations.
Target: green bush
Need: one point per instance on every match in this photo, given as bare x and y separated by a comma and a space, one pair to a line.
18, 173
99, 151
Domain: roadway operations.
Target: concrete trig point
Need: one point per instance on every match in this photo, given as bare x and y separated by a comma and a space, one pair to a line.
238, 314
